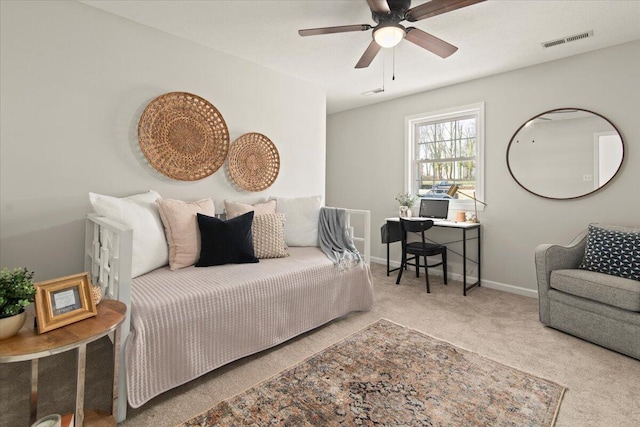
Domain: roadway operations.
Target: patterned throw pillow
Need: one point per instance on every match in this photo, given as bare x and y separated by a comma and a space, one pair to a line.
268, 236
613, 250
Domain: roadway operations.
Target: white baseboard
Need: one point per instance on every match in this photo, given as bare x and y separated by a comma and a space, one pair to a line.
510, 288
485, 283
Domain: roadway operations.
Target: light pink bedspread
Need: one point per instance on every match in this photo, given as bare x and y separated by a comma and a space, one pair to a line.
187, 322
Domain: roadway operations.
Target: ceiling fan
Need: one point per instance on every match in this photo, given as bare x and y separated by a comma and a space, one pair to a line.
388, 14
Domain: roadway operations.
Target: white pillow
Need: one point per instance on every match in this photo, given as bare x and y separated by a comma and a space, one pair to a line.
140, 213
302, 215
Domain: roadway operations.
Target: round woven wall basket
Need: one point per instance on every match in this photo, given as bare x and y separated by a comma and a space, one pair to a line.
183, 136
254, 162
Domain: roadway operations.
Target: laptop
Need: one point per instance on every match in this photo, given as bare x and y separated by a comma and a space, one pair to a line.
435, 209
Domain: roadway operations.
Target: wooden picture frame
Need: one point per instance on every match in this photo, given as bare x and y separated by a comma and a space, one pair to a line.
62, 301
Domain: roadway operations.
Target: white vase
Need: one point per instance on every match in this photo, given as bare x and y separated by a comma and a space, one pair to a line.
9, 326
409, 213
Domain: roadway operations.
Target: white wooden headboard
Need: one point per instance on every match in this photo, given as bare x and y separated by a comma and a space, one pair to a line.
364, 235
108, 256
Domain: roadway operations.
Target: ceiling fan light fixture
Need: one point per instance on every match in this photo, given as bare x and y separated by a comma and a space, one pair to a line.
389, 35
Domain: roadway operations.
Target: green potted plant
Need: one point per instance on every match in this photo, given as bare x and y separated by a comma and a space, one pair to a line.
406, 201
16, 292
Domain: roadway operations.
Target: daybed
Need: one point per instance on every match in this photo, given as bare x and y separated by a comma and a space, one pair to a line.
581, 291
187, 322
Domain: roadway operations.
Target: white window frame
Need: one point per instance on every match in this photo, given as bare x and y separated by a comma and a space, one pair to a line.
477, 110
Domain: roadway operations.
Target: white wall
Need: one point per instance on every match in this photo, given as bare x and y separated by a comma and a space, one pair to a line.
74, 81
515, 221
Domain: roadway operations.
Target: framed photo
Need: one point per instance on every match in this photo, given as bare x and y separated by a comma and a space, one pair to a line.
62, 301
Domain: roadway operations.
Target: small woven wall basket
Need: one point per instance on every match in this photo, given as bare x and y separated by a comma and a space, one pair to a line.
183, 136
254, 162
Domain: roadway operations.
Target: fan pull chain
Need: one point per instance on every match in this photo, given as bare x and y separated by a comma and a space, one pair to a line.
394, 64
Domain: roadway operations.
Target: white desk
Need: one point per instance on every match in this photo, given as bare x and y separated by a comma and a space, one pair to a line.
393, 235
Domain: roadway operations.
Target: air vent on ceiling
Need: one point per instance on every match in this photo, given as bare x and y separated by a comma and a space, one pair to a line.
568, 39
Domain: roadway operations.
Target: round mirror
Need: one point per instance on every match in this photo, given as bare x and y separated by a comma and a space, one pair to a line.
565, 153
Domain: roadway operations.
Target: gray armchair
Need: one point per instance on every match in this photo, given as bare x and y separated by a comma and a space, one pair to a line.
597, 307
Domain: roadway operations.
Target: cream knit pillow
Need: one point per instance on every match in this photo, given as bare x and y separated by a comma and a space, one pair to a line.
268, 236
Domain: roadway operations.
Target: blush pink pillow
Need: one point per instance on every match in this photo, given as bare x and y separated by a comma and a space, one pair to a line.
234, 209
181, 229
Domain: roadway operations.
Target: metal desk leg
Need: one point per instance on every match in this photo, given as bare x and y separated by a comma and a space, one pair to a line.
479, 259
387, 257
464, 261
82, 364
33, 403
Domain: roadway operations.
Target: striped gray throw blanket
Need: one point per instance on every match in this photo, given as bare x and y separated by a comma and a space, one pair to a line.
335, 240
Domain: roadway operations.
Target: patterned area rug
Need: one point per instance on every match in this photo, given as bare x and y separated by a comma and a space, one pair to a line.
390, 375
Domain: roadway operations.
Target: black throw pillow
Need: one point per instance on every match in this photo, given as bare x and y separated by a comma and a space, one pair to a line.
226, 242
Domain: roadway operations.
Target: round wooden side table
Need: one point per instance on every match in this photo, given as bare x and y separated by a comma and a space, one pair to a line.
29, 345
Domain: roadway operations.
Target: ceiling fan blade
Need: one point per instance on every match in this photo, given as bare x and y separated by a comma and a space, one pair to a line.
368, 55
380, 6
331, 30
429, 42
436, 7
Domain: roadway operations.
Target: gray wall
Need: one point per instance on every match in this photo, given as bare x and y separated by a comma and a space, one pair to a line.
74, 81
515, 221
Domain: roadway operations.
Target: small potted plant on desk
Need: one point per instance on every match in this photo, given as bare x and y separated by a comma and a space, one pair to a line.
16, 292
406, 201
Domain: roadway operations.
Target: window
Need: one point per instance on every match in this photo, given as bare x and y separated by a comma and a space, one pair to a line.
445, 148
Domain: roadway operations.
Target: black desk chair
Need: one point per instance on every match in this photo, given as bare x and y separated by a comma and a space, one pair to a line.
420, 249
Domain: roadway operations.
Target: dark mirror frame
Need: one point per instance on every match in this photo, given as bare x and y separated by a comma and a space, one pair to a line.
555, 110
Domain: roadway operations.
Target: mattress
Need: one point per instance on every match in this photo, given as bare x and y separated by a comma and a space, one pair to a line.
187, 322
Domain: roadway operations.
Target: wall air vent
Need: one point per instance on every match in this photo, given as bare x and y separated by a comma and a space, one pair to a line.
568, 39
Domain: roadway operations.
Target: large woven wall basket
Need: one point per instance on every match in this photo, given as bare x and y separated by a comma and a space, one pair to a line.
183, 136
254, 162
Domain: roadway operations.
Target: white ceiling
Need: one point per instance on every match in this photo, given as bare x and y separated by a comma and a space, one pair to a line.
492, 37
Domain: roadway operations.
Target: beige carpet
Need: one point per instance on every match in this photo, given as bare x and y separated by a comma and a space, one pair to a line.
603, 386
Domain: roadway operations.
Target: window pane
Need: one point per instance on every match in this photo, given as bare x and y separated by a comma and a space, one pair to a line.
434, 178
468, 126
466, 175
467, 147
443, 131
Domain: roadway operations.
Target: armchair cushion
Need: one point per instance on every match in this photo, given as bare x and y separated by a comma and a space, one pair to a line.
613, 250
612, 290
